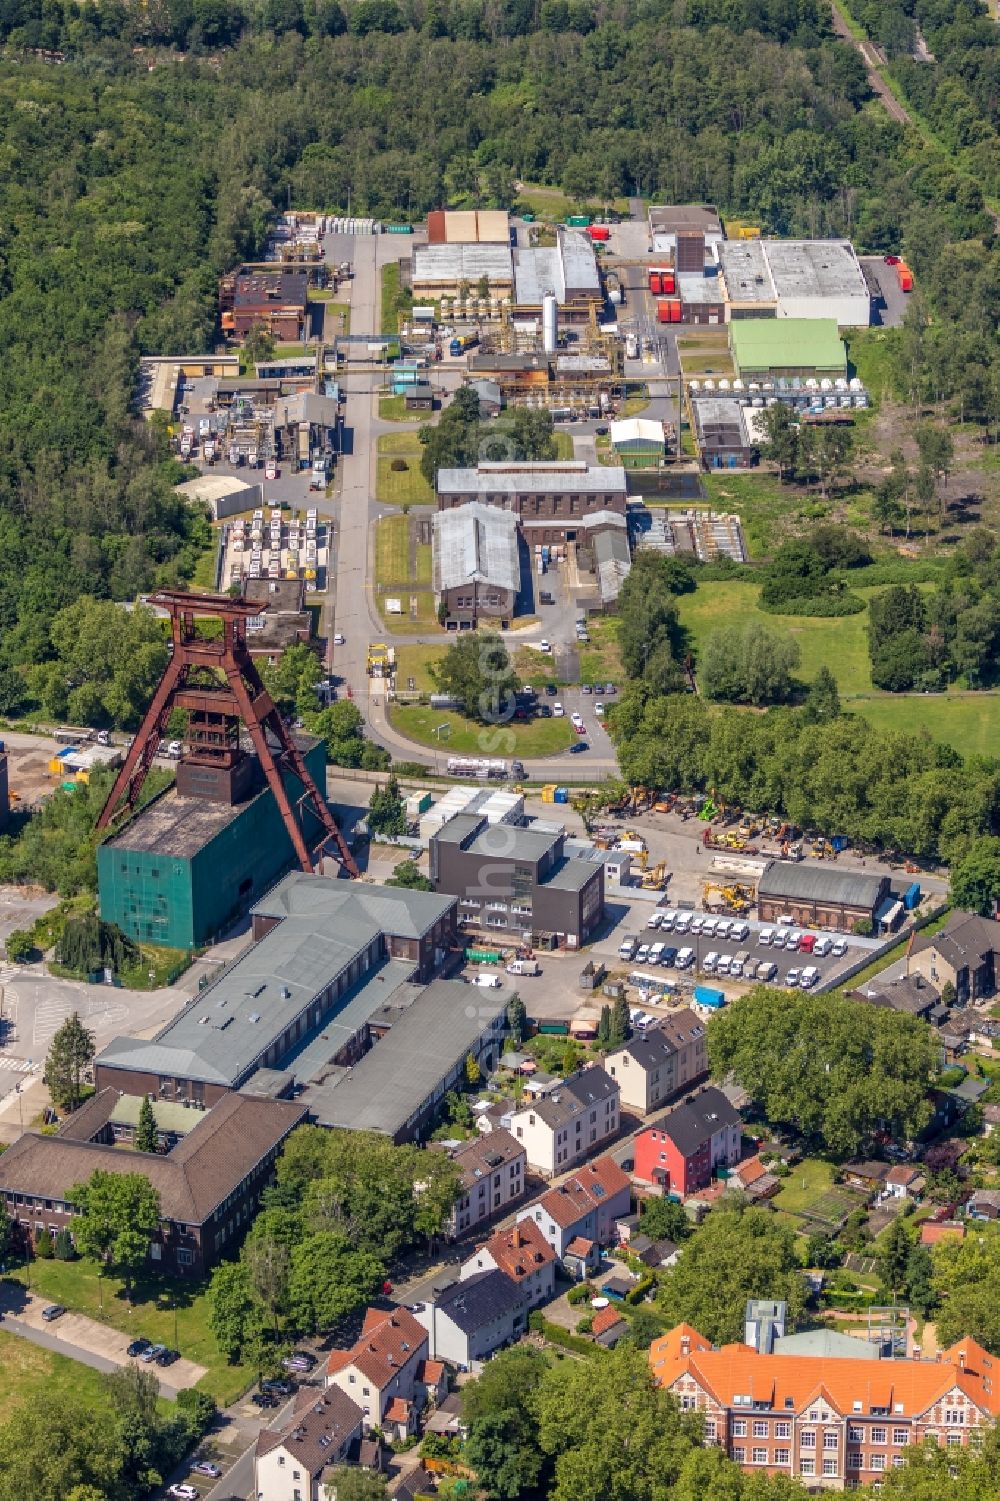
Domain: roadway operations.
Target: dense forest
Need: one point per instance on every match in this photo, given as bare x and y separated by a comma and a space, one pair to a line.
149, 155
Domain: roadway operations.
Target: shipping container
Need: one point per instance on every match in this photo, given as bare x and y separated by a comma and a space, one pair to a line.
663, 312
549, 792
655, 283
578, 221
399, 229
905, 276
707, 995
600, 233
668, 282
911, 898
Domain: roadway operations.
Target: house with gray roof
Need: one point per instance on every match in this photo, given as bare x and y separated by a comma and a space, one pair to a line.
467, 1321
658, 1063
476, 565
548, 498
296, 1461
964, 954
570, 1122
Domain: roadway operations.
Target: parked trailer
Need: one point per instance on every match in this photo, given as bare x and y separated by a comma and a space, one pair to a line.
484, 768
905, 276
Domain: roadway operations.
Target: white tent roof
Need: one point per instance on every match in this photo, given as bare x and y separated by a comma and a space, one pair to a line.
636, 430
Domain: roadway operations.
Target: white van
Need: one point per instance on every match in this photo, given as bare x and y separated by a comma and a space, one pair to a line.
766, 971
808, 977
523, 967
685, 958
487, 982
627, 948
654, 920
709, 962
655, 952
667, 920
722, 967
722, 927
739, 932
683, 922
822, 946
708, 928
765, 937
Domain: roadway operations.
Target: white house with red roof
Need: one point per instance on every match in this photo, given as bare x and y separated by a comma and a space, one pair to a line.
524, 1254
382, 1370
586, 1207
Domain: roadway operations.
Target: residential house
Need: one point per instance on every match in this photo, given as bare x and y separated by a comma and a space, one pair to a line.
523, 1253
467, 1320
608, 1326
681, 1152
657, 1064
870, 1176
753, 1179
904, 1181
991, 1119
984, 1204
934, 1231
964, 954
380, 1369
293, 1463
492, 1176
569, 1123
833, 1423
585, 1208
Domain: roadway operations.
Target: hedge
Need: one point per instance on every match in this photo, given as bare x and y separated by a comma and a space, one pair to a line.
559, 1336
825, 605
637, 1294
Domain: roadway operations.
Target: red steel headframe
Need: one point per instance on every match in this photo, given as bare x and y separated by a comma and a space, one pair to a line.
243, 697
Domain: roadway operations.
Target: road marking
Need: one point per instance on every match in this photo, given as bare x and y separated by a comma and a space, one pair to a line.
17, 1065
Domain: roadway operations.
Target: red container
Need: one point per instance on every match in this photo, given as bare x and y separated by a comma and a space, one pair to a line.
654, 283
667, 282
905, 276
675, 310
599, 232
663, 312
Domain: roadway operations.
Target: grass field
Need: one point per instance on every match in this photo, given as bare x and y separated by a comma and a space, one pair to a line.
535, 667
76, 1285
420, 624
810, 1196
409, 486
564, 446
403, 572
542, 737
547, 202
392, 550
968, 721
763, 505
415, 662
600, 662
393, 409
33, 1376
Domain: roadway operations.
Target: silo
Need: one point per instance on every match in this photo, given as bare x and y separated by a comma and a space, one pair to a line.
550, 319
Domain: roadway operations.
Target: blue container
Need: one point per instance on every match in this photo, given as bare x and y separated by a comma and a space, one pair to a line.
838, 843
912, 897
707, 995
560, 795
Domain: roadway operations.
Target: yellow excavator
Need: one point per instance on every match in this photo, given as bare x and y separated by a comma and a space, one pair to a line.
734, 898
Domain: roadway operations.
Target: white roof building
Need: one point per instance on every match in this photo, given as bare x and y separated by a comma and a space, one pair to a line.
476, 543
224, 494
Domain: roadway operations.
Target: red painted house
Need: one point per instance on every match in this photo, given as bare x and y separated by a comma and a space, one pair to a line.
680, 1152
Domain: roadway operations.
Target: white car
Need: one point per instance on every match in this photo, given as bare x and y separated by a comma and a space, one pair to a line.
599, 710
643, 953
545, 647
792, 940
667, 920
576, 718
792, 979
487, 982
270, 470
338, 639
655, 920
557, 711
183, 1492
174, 749
839, 948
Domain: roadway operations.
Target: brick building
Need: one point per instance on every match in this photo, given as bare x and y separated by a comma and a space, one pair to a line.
277, 299
680, 1152
209, 1184
476, 565
836, 1423
819, 896
547, 498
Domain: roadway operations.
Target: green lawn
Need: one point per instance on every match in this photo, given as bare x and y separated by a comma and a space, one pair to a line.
564, 446
393, 409
968, 721
203, 576
392, 551
547, 202
807, 1179
406, 624
542, 737
402, 488
393, 445
76, 1285
36, 1377
415, 662
600, 662
394, 301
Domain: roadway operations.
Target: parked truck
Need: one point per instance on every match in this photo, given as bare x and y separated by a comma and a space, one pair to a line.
463, 342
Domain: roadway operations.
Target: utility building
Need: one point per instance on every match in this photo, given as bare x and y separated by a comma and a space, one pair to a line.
547, 498
764, 348
477, 572
796, 279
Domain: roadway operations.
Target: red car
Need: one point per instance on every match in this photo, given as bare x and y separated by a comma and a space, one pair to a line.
891, 260
807, 943
581, 729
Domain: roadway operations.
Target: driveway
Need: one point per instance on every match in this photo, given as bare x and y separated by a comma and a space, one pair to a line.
84, 1339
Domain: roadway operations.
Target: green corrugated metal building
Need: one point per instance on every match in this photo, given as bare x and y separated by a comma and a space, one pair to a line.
787, 346
183, 869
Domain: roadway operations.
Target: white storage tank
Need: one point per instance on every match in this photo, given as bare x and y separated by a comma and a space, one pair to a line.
550, 323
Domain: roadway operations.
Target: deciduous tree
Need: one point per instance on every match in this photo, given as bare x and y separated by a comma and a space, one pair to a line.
118, 1214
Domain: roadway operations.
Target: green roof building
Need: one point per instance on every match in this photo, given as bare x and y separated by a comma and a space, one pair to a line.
768, 347
183, 868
